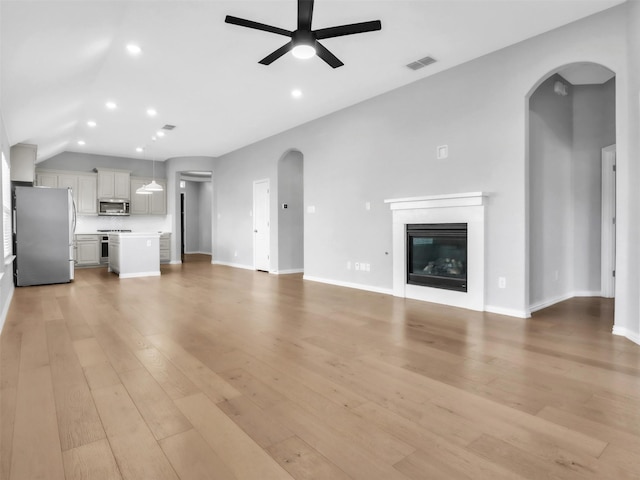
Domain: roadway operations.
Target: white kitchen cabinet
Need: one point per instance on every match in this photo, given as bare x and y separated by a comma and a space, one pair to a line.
134, 254
87, 250
165, 248
158, 200
46, 179
113, 184
154, 204
67, 180
82, 185
86, 198
139, 204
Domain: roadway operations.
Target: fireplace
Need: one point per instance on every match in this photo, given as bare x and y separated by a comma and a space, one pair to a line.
437, 255
463, 275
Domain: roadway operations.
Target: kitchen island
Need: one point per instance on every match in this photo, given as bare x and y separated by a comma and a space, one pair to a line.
134, 254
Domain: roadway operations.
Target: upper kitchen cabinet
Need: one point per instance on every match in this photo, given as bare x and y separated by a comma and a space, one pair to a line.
113, 183
86, 200
83, 188
154, 204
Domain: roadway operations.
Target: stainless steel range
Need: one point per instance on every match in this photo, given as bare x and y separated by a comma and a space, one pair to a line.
104, 244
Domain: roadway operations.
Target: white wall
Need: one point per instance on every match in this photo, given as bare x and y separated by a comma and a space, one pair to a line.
551, 200
291, 219
6, 270
173, 168
628, 196
386, 148
593, 129
198, 199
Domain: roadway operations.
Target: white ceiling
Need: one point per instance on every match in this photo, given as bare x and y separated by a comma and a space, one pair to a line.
62, 60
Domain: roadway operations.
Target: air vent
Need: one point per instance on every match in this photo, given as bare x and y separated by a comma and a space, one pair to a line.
423, 62
168, 127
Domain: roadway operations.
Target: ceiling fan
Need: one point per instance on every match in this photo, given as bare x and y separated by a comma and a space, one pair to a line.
304, 41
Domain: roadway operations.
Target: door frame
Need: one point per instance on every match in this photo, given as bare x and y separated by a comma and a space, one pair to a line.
268, 220
608, 243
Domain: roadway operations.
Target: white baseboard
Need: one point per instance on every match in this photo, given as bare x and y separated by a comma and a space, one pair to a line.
552, 301
175, 262
509, 312
625, 332
234, 265
139, 274
288, 272
358, 286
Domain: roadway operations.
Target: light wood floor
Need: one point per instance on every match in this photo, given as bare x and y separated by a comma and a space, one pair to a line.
210, 372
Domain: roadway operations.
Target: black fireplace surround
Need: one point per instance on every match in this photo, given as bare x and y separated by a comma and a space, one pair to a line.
437, 255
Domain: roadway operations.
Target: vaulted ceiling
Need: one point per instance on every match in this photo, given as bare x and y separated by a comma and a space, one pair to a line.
61, 61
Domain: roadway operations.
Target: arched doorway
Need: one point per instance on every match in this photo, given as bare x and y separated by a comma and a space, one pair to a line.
571, 119
291, 212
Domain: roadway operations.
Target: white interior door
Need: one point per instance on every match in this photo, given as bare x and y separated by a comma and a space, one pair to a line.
261, 225
608, 256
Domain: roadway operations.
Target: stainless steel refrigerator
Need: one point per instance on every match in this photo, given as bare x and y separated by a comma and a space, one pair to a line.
44, 224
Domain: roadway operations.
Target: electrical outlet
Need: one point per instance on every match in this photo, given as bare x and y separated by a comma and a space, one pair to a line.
367, 205
502, 282
367, 267
349, 265
235, 254
357, 266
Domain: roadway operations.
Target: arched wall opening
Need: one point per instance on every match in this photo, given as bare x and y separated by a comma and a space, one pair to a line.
291, 212
571, 119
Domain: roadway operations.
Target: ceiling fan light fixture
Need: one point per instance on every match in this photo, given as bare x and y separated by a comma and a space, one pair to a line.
303, 51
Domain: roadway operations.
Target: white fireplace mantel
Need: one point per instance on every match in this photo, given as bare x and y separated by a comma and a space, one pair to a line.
451, 208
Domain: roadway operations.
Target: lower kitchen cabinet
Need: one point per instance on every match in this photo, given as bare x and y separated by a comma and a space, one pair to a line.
87, 250
165, 248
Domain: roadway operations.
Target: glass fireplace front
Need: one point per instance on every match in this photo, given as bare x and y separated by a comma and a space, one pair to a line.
437, 255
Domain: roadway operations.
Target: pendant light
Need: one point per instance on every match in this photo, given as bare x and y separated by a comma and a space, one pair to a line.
153, 186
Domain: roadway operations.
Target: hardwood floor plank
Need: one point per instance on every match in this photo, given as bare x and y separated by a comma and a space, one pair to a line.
215, 372
261, 427
214, 386
10, 345
193, 459
37, 454
244, 456
89, 352
135, 449
302, 461
92, 461
162, 416
172, 381
350, 457
78, 421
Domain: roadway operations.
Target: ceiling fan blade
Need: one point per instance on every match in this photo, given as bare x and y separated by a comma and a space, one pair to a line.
350, 29
269, 59
257, 26
327, 56
305, 14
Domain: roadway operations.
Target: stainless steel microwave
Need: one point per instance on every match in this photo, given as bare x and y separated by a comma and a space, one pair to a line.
113, 206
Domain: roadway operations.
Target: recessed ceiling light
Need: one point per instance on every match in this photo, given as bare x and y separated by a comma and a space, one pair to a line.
134, 49
91, 123
160, 133
81, 142
139, 149
297, 93
154, 138
151, 112
111, 105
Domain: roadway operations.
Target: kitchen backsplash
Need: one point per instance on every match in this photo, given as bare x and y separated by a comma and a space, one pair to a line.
135, 223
